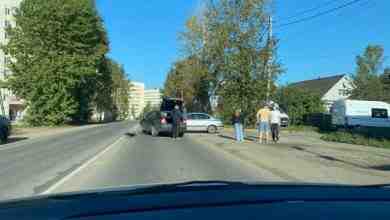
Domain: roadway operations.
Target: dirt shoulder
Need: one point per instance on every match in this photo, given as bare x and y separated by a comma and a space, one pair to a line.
303, 156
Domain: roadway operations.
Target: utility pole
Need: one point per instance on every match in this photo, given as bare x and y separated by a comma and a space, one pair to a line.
269, 61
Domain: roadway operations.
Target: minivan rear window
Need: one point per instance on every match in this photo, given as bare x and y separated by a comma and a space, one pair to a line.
169, 104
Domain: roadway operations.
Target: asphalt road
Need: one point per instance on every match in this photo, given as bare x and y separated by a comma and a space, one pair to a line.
145, 160
31, 166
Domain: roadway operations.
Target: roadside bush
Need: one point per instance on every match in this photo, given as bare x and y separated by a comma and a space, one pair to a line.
299, 103
354, 138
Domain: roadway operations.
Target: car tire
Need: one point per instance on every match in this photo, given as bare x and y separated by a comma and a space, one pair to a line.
181, 134
154, 132
212, 129
3, 137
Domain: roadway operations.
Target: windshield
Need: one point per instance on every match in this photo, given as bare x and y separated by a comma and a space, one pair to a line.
89, 87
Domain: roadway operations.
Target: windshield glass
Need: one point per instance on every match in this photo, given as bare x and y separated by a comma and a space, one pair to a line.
88, 91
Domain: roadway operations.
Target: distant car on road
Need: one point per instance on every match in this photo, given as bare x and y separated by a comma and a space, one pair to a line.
5, 129
157, 122
203, 122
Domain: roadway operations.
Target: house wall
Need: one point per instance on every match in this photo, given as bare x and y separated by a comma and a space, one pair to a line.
341, 90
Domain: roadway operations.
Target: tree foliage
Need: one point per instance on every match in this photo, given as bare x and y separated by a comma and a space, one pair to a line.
229, 42
113, 92
57, 48
368, 81
120, 90
189, 78
299, 103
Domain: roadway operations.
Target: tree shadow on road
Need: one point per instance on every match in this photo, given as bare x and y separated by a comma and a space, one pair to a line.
381, 167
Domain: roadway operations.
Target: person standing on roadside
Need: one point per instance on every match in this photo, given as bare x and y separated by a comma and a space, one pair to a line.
275, 123
176, 119
263, 117
238, 123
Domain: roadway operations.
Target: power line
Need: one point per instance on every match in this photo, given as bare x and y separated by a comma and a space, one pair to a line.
306, 11
319, 14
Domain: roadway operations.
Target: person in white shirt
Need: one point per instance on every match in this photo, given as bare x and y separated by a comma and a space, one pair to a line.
275, 123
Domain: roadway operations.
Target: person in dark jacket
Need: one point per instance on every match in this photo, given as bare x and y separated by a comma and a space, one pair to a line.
238, 123
176, 119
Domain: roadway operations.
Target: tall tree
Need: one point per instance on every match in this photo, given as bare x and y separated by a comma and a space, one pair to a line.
368, 85
229, 39
120, 90
57, 48
189, 78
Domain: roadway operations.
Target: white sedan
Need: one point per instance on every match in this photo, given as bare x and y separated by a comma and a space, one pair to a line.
203, 122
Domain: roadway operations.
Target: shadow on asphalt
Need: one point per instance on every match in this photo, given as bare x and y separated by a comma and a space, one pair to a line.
248, 138
130, 134
16, 139
381, 167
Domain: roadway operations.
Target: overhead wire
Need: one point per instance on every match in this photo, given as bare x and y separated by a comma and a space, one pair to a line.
349, 3
306, 11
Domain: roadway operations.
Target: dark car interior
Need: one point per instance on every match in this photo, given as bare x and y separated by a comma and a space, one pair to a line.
210, 201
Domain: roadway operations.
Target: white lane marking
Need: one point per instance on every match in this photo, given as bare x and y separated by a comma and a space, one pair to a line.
84, 165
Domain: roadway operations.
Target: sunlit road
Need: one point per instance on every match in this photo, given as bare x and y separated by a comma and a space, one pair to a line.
144, 159
30, 167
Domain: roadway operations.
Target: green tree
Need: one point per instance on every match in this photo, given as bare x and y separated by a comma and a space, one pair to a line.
189, 78
385, 78
298, 103
367, 81
120, 89
228, 39
57, 49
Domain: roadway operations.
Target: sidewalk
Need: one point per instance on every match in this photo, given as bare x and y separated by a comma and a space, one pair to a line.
305, 157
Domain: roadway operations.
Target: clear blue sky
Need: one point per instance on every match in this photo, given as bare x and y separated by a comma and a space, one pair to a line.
143, 36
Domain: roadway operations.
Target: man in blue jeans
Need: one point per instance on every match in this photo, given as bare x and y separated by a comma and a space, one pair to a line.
238, 123
263, 117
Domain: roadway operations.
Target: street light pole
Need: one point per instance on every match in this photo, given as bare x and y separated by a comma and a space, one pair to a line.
269, 63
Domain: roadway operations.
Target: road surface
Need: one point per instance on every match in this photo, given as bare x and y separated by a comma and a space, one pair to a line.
29, 167
107, 156
147, 160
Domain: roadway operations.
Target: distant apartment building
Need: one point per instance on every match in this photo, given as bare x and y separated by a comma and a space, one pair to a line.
154, 97
10, 105
136, 99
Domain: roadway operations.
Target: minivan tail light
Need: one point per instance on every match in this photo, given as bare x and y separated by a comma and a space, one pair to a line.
163, 121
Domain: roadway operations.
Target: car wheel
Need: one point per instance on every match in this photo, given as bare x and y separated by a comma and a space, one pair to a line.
181, 134
3, 137
154, 132
212, 129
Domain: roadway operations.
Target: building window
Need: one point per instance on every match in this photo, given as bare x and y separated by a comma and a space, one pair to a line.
379, 113
7, 23
7, 61
7, 11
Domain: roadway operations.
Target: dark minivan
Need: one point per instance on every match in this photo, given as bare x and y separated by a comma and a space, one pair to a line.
158, 122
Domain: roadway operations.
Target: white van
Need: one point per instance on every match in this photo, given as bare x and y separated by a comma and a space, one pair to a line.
284, 119
355, 113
